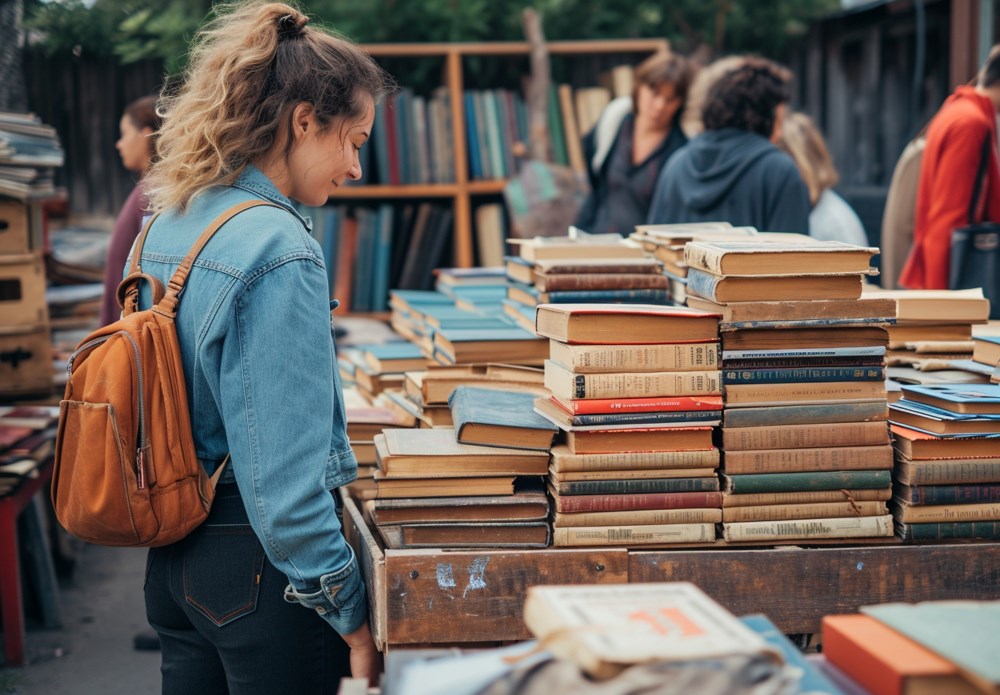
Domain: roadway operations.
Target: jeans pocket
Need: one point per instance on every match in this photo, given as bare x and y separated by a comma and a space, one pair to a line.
222, 567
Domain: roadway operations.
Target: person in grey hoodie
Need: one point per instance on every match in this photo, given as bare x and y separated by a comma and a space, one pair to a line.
733, 171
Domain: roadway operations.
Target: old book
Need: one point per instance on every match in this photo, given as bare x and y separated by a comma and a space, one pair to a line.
598, 281
637, 517
774, 355
617, 440
821, 510
532, 534
836, 527
802, 497
507, 344
522, 506
442, 487
927, 418
594, 406
805, 337
818, 392
640, 534
619, 324
603, 246
748, 313
886, 662
947, 471
971, 493
605, 629
434, 453
986, 349
495, 417
634, 486
811, 481
818, 458
553, 410
568, 385
847, 434
935, 306
936, 513
393, 357
871, 410
434, 386
593, 266
921, 445
813, 681
958, 398
563, 460
963, 632
724, 288
519, 269
753, 258
986, 530
908, 333
661, 500
797, 375
36, 417
557, 476
586, 359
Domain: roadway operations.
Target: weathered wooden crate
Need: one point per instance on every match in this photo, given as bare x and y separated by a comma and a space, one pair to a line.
466, 597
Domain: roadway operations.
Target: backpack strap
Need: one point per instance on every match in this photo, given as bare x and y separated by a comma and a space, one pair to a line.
984, 162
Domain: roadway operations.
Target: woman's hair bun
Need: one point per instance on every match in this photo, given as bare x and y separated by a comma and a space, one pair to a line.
290, 26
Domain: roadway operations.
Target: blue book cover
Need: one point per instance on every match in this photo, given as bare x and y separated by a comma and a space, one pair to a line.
501, 331
501, 408
488, 293
802, 375
702, 284
403, 125
397, 350
645, 296
423, 297
958, 398
813, 681
934, 413
472, 137
380, 144
382, 257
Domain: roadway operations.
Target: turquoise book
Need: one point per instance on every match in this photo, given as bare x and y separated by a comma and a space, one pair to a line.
807, 482
813, 681
499, 417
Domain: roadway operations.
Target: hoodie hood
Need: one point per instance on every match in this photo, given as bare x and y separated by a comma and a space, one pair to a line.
717, 160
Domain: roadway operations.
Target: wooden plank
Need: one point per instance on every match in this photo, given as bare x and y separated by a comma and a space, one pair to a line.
455, 597
372, 562
796, 587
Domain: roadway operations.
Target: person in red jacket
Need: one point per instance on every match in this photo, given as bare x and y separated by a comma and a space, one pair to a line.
955, 143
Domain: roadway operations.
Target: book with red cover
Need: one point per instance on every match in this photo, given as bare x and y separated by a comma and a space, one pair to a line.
921, 445
625, 324
590, 406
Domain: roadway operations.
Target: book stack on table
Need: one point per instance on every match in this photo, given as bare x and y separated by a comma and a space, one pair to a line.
376, 368
365, 419
27, 441
947, 476
635, 390
805, 443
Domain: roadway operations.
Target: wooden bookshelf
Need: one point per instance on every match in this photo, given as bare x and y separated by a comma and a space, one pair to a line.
462, 190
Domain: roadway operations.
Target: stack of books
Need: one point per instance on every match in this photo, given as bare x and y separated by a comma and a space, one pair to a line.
365, 419
947, 476
636, 390
29, 151
986, 350
376, 368
806, 451
27, 441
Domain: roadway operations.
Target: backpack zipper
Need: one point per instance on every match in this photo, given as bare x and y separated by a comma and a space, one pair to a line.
140, 472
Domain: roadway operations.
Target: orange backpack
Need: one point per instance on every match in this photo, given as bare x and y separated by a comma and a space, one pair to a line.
125, 471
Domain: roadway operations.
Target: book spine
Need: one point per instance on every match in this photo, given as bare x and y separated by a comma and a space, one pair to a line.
780, 512
800, 375
802, 436
773, 416
645, 460
768, 498
703, 284
630, 474
940, 531
650, 384
640, 405
948, 494
947, 512
944, 472
821, 391
860, 527
803, 362
647, 296
704, 258
636, 358
792, 482
633, 535
639, 486
847, 458
642, 516
861, 351
602, 281
607, 267
695, 417
665, 500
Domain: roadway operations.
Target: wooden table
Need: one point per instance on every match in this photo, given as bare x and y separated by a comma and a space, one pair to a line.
465, 597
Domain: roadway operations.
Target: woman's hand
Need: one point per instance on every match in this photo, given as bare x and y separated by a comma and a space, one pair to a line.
366, 660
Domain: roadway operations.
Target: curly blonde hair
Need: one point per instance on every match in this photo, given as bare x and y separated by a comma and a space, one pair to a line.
249, 68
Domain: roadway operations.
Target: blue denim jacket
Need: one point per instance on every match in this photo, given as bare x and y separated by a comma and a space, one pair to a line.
254, 326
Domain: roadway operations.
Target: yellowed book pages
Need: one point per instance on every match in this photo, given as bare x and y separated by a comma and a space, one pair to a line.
638, 517
640, 534
762, 498
564, 460
823, 510
941, 513
590, 359
859, 527
639, 474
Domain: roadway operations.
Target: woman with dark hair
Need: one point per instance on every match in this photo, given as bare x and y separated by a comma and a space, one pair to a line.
137, 148
630, 143
733, 172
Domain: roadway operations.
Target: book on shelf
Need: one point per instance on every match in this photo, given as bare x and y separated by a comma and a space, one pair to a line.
637, 534
571, 130
433, 453
491, 231
650, 439
886, 662
957, 398
633, 486
481, 534
605, 629
637, 517
840, 434
496, 417
806, 482
913, 444
564, 460
814, 458
568, 385
969, 493
769, 288
947, 471
786, 375
619, 324
749, 313
816, 510
772, 258
553, 411
739, 395
871, 410
636, 358
791, 339
807, 497
657, 500
963, 632
802, 529
906, 513
984, 530
522, 506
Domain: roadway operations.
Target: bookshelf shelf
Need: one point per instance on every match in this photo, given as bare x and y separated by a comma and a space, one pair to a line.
431, 190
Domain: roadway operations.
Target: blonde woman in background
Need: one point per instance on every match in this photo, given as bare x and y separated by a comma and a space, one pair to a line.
831, 217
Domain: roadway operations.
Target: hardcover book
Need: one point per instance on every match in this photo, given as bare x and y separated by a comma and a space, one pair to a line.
754, 258
565, 460
496, 417
806, 497
635, 486
521, 506
944, 423
816, 458
531, 534
639, 534
598, 281
592, 266
589, 359
591, 406
813, 681
791, 339
941, 306
814, 480
441, 487
436, 453
947, 494
637, 517
779, 415
820, 510
958, 398
552, 411
986, 530
837, 527
747, 313
986, 349
916, 445
619, 324
568, 385
724, 288
840, 434
660, 500
619, 440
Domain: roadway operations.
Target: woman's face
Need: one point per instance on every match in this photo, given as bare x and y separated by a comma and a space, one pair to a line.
133, 145
320, 162
658, 104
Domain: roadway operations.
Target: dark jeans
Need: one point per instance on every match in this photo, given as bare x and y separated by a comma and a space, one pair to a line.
224, 625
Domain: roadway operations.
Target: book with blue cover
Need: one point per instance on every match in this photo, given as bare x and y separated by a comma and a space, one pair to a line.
943, 423
981, 399
499, 417
813, 680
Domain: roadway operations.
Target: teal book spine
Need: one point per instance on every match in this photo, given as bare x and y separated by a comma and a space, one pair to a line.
808, 482
646, 296
828, 413
702, 284
472, 137
986, 530
947, 494
635, 487
802, 375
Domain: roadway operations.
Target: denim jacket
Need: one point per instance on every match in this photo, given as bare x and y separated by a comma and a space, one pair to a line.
254, 326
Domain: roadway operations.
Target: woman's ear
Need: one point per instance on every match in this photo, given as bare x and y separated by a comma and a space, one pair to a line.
303, 120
